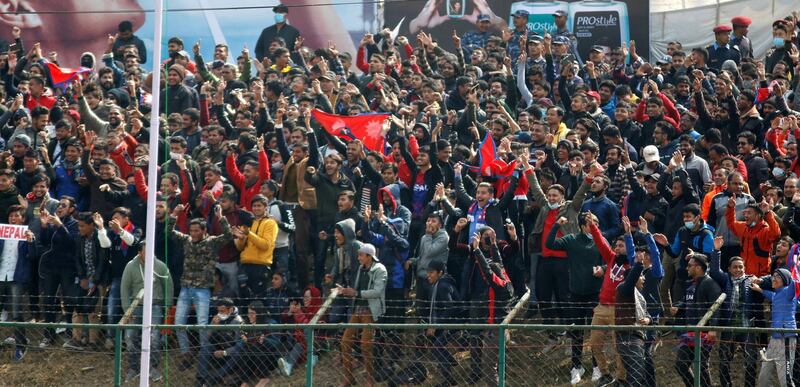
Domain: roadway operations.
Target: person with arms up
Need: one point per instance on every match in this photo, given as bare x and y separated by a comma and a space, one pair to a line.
783, 297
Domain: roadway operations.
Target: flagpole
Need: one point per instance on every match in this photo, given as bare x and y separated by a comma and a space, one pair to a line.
150, 237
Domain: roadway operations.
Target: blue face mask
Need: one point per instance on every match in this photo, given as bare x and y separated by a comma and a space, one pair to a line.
132, 188
778, 42
280, 18
777, 172
689, 225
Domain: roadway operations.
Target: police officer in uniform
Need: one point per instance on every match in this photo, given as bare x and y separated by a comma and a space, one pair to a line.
560, 18
739, 38
721, 50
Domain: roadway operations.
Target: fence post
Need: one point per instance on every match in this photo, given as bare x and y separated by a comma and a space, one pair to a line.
501, 361
117, 357
697, 357
309, 357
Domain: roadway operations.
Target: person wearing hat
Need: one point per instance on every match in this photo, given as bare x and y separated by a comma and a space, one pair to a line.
781, 46
281, 29
512, 38
562, 30
644, 199
178, 97
741, 24
367, 306
721, 50
779, 289
478, 37
759, 228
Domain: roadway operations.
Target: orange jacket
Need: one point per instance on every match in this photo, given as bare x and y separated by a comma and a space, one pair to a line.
756, 241
706, 207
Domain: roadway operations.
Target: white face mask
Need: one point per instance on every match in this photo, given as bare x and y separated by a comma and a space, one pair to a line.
175, 156
553, 206
223, 316
203, 143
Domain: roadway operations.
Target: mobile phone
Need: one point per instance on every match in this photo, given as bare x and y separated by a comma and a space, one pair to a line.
13, 47
455, 9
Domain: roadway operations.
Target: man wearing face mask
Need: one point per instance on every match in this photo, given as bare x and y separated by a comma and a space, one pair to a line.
782, 46
278, 30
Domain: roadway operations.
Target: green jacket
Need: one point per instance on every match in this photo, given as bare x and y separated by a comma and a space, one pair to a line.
133, 282
582, 257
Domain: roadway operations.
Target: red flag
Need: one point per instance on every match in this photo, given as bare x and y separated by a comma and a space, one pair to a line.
366, 127
792, 263
62, 76
762, 95
487, 154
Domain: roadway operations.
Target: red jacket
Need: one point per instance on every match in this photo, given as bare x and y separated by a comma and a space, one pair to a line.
237, 178
123, 156
403, 172
756, 241
614, 274
671, 114
43, 100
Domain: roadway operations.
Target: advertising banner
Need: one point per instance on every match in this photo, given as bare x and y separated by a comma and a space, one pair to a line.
594, 22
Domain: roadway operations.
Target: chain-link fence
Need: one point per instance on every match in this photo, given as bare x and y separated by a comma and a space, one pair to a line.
406, 354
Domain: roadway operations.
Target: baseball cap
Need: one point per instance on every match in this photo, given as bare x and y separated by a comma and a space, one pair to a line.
560, 39
368, 249
280, 8
655, 176
521, 13
665, 59
650, 153
484, 17
560, 13
535, 38
597, 48
330, 76
593, 94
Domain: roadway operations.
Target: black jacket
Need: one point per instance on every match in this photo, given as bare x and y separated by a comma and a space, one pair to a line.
59, 252
442, 306
100, 260
700, 295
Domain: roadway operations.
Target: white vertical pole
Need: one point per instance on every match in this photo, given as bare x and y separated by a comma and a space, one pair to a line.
150, 238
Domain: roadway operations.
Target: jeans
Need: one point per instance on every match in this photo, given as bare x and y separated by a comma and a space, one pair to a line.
630, 347
133, 338
230, 270
280, 260
11, 295
200, 299
684, 364
69, 293
210, 370
114, 306
552, 281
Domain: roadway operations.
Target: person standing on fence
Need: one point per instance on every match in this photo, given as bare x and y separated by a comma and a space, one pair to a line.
368, 305
736, 311
130, 285
585, 280
701, 293
781, 349
200, 257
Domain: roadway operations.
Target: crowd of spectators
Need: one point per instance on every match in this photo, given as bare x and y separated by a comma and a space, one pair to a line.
619, 192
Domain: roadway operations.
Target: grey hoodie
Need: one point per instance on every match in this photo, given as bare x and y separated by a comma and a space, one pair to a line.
431, 248
345, 257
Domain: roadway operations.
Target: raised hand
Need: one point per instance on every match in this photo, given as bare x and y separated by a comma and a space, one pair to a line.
643, 225
626, 224
718, 242
460, 224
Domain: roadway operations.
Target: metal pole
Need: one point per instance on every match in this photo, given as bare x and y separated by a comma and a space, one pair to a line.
309, 357
501, 361
697, 357
147, 308
117, 357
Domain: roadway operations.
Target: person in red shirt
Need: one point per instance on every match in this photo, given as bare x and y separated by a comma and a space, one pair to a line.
255, 174
38, 96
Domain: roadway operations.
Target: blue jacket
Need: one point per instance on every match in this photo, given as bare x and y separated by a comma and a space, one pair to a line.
393, 248
700, 241
652, 275
784, 305
22, 272
607, 213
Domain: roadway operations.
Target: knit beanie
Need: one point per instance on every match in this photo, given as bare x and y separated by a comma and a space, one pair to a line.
178, 69
785, 276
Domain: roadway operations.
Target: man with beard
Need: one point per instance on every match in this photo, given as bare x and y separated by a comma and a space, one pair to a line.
214, 149
92, 121
248, 182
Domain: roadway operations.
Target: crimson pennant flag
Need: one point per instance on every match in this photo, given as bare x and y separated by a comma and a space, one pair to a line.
487, 153
365, 127
62, 76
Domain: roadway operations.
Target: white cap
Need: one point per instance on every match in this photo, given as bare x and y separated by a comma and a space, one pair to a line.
650, 154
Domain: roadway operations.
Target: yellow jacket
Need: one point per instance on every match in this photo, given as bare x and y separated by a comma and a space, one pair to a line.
257, 248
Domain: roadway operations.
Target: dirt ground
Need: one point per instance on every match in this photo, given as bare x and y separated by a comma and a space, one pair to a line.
527, 366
